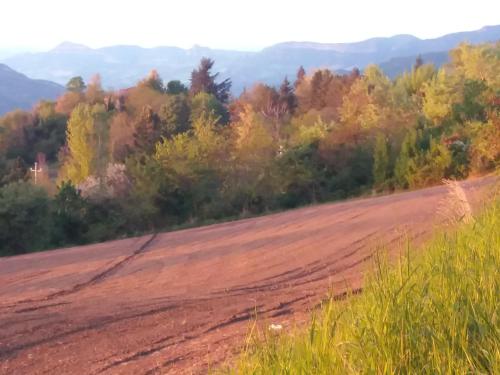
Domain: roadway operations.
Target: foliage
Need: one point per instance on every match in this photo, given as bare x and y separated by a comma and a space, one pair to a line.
380, 161
203, 81
13, 171
155, 155
87, 142
204, 104
176, 87
153, 81
76, 84
439, 95
174, 115
24, 227
69, 215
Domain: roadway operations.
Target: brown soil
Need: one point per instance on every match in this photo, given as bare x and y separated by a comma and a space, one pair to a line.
182, 302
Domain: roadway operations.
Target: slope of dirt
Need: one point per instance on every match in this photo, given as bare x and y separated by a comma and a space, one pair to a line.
182, 301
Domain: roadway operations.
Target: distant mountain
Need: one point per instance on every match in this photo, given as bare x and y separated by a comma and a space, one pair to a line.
401, 45
19, 91
122, 66
119, 66
398, 65
394, 54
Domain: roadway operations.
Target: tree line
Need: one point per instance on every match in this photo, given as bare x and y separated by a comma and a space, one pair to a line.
163, 154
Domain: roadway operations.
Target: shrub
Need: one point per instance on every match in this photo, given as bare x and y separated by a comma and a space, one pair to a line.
24, 218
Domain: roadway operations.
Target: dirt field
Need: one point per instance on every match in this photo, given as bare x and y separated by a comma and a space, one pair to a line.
182, 302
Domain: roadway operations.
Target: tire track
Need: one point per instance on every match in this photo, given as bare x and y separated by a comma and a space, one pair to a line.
100, 277
282, 308
107, 272
98, 324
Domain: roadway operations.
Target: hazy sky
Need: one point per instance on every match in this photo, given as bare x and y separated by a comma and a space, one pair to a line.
234, 24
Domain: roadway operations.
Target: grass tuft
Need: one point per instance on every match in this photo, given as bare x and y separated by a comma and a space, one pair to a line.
455, 207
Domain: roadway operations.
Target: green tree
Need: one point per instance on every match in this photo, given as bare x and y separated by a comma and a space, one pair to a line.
202, 80
15, 170
472, 106
69, 211
254, 150
429, 167
48, 135
174, 115
485, 145
76, 84
154, 82
176, 87
439, 95
146, 130
297, 177
148, 204
380, 161
404, 161
191, 161
87, 143
286, 98
204, 104
359, 111
24, 218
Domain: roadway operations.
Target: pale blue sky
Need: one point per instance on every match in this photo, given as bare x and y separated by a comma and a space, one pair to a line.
232, 24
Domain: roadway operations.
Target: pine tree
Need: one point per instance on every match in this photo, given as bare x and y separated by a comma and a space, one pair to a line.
176, 87
320, 84
287, 97
301, 75
146, 130
174, 115
418, 62
316, 90
203, 81
354, 74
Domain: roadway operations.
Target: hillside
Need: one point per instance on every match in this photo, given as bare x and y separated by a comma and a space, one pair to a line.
441, 304
19, 91
181, 301
155, 157
123, 66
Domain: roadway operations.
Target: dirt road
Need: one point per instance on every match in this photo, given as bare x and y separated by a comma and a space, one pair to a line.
179, 302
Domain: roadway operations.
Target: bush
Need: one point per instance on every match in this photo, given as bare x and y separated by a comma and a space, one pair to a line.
24, 218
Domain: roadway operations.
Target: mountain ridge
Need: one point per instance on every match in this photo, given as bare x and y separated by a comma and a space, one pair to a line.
123, 66
17, 91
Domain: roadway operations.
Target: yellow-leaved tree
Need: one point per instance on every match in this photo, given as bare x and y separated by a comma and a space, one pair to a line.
87, 143
253, 152
480, 63
439, 95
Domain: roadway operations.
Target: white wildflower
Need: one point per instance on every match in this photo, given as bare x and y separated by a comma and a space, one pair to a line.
275, 328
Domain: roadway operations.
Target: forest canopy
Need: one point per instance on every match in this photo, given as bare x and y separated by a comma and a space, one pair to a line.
163, 154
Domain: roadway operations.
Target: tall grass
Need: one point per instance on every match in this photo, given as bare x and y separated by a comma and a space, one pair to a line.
439, 314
